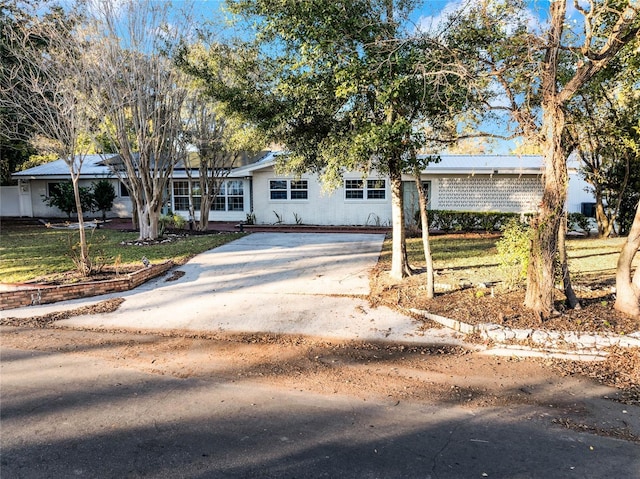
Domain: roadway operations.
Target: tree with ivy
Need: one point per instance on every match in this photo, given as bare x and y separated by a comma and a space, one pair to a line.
534, 72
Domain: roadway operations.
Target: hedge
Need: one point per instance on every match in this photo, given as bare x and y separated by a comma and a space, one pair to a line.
447, 220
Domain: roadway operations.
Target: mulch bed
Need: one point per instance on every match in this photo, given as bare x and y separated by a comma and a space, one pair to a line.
475, 306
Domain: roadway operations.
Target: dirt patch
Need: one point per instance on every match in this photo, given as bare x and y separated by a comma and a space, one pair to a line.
47, 320
492, 304
306, 359
364, 370
176, 275
72, 277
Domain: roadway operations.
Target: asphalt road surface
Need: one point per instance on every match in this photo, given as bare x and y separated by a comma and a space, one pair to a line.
116, 405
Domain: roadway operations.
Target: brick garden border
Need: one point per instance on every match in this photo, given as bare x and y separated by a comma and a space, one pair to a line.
32, 295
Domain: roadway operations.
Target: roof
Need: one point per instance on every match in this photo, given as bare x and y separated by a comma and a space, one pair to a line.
95, 166
448, 164
268, 160
92, 166
487, 164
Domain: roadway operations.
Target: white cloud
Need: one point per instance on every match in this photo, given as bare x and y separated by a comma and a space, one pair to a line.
432, 22
436, 21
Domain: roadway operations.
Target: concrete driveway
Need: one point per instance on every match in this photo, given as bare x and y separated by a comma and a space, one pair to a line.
294, 283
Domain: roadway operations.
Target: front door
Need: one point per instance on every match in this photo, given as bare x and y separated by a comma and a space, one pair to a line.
411, 202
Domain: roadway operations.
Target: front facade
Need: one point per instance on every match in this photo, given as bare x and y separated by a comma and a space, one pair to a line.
37, 183
456, 182
258, 193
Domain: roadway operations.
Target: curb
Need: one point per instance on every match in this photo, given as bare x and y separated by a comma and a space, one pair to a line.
25, 295
585, 343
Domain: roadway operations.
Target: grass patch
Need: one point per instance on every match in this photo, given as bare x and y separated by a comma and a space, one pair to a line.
29, 252
474, 258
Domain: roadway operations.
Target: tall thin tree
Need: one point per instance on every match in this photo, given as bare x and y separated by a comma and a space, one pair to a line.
46, 85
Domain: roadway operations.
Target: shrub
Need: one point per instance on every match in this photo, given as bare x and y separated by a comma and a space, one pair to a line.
447, 221
103, 195
63, 198
170, 220
179, 222
513, 252
578, 221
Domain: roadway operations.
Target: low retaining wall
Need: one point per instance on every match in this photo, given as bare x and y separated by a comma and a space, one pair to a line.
43, 294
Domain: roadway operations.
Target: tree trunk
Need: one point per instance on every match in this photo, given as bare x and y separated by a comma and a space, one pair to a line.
149, 219
540, 273
572, 299
605, 227
399, 264
209, 191
206, 202
84, 264
628, 289
424, 221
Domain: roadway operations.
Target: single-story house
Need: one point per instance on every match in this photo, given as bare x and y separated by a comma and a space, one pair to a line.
504, 183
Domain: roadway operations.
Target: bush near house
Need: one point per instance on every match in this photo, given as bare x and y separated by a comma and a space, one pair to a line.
448, 221
103, 196
579, 222
63, 198
98, 197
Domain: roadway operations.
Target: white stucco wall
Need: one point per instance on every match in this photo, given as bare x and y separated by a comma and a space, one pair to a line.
321, 207
579, 192
121, 205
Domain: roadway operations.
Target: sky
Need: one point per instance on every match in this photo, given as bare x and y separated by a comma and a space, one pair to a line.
426, 16
429, 13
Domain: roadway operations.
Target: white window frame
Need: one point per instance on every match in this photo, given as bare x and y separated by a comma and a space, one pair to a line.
369, 189
192, 186
296, 190
224, 195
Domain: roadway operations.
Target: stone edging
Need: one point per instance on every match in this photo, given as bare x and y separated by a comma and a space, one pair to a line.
548, 339
32, 295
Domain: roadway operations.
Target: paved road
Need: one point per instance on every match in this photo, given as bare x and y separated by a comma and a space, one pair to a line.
70, 415
297, 283
81, 415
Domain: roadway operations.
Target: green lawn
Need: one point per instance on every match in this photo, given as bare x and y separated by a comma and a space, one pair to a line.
475, 258
28, 252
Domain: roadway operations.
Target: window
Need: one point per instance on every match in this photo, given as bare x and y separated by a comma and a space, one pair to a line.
376, 190
235, 195
289, 189
278, 189
355, 189
299, 189
181, 195
124, 191
230, 197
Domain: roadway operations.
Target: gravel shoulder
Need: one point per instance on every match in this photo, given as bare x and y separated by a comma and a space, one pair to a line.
363, 370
